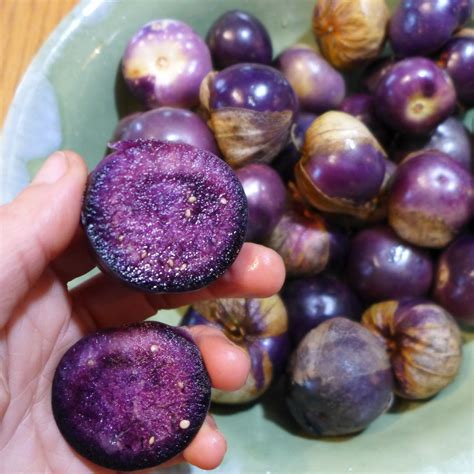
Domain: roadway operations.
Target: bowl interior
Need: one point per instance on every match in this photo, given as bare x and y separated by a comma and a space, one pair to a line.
72, 96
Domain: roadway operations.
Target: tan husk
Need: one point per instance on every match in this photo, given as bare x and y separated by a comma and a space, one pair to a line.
244, 135
350, 32
328, 132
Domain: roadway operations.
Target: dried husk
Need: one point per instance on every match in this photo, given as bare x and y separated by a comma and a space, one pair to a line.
245, 136
239, 316
424, 343
350, 32
329, 131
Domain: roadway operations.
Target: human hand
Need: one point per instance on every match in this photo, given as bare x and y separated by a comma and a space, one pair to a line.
41, 249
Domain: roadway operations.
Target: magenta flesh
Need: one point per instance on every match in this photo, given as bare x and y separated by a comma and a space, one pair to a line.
164, 64
382, 266
318, 86
239, 37
454, 282
414, 96
266, 197
168, 124
340, 379
164, 217
132, 397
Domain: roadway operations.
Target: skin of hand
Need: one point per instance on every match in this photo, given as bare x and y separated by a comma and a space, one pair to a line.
41, 250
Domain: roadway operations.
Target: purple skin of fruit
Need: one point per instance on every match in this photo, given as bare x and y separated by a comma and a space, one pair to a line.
362, 107
311, 301
423, 341
254, 87
257, 325
375, 71
306, 243
156, 366
169, 124
164, 64
419, 28
414, 96
457, 58
354, 173
318, 86
450, 137
123, 125
239, 37
251, 109
430, 199
164, 217
340, 379
382, 266
266, 197
454, 282
285, 162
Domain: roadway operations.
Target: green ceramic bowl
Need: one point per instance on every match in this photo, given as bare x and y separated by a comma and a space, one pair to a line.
70, 98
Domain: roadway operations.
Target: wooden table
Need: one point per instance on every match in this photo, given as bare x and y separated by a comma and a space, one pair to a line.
24, 26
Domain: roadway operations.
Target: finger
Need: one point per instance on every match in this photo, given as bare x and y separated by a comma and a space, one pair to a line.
39, 224
206, 450
76, 260
257, 272
227, 364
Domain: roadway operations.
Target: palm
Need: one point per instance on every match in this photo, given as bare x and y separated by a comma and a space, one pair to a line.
40, 251
31, 345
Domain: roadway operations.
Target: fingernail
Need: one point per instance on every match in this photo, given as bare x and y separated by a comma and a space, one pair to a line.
53, 169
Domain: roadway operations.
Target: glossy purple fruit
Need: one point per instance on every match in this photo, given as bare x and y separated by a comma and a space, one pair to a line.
318, 86
164, 64
169, 124
123, 125
450, 137
311, 301
454, 282
457, 58
342, 168
382, 266
375, 71
266, 197
251, 108
423, 341
239, 37
431, 199
285, 162
260, 327
164, 217
362, 107
132, 397
340, 379
420, 27
306, 243
415, 96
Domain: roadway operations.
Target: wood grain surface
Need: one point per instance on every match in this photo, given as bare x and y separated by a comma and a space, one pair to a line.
24, 26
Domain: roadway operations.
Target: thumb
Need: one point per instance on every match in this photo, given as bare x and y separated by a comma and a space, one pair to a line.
38, 225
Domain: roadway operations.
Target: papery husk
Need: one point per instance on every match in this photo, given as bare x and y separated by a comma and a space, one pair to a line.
350, 32
328, 131
245, 136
